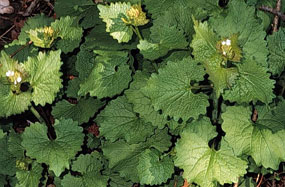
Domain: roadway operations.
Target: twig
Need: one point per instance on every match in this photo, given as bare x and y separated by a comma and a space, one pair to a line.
29, 10
7, 31
257, 178
261, 179
276, 18
235, 184
273, 11
49, 4
21, 48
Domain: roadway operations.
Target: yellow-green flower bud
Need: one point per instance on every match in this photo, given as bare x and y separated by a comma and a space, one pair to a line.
136, 16
42, 37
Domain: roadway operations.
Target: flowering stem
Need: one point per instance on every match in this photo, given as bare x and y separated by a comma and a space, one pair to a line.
137, 31
36, 113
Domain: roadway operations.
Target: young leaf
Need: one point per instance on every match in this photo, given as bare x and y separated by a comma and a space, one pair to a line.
255, 139
56, 153
118, 120
252, 84
110, 75
44, 76
113, 16
203, 165
81, 112
240, 19
204, 49
171, 90
152, 170
32, 23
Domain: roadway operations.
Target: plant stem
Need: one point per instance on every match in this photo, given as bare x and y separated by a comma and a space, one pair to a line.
36, 113
137, 31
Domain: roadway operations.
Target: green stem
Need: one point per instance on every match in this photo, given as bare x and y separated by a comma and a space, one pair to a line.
36, 113
137, 31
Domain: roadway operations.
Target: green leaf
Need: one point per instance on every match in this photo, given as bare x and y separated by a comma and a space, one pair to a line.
171, 90
3, 181
276, 47
240, 19
23, 54
81, 112
203, 165
44, 71
161, 140
112, 15
252, 84
14, 145
85, 11
69, 32
7, 159
117, 181
11, 103
73, 88
12, 100
31, 177
123, 158
142, 103
154, 170
204, 49
89, 166
167, 33
110, 75
118, 120
255, 139
58, 152
273, 118
204, 42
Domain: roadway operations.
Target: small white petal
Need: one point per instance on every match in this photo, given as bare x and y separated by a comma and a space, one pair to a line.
8, 73
15, 82
223, 43
228, 42
224, 53
12, 73
19, 79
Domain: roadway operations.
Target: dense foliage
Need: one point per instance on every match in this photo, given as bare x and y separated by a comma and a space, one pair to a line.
180, 90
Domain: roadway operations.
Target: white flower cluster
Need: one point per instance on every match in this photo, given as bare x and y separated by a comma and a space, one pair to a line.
226, 42
10, 73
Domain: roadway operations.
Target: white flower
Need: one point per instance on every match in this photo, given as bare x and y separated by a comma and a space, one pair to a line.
15, 82
10, 73
19, 79
223, 43
224, 53
228, 42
